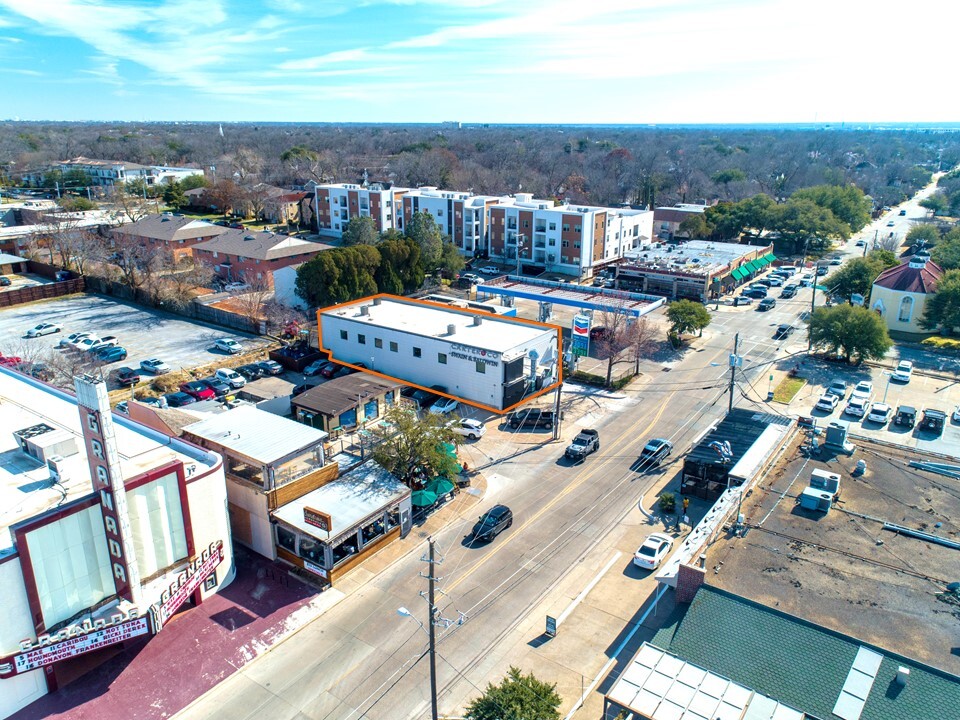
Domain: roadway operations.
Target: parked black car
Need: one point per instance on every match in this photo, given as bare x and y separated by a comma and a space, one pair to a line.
179, 399
127, 376
251, 372
219, 388
906, 416
532, 418
493, 522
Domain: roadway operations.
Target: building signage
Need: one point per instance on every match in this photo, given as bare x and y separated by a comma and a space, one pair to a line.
187, 582
317, 519
580, 335
316, 569
468, 352
78, 640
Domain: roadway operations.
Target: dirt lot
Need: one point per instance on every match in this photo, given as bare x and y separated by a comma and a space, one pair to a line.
144, 332
842, 569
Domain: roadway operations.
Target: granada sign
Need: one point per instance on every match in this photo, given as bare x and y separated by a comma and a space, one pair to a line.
187, 583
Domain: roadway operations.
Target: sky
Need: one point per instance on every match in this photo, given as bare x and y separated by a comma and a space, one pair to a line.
495, 61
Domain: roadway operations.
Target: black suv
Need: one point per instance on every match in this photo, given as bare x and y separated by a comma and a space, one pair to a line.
532, 418
655, 451
493, 522
782, 332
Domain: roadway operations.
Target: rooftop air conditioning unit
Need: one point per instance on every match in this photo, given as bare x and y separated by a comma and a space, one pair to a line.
816, 500
58, 469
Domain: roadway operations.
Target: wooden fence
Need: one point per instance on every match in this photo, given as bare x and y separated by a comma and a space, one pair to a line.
41, 292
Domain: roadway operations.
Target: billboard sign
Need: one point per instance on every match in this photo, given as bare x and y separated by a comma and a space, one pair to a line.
580, 335
78, 641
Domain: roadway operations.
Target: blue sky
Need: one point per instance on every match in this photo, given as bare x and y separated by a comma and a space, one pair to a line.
551, 61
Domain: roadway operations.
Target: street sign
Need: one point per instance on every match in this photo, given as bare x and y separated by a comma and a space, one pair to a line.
551, 626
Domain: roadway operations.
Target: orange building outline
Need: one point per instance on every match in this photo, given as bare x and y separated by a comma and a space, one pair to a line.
462, 311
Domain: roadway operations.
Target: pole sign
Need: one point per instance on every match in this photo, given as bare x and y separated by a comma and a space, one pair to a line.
187, 583
318, 519
580, 335
551, 626
79, 640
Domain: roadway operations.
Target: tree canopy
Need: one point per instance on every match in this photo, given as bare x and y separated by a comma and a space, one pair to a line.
423, 229
852, 331
687, 316
926, 233
942, 309
338, 275
360, 231
411, 447
517, 697
858, 274
173, 195
946, 253
847, 203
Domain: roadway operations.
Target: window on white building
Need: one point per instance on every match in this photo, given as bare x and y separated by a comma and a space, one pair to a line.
481, 367
906, 309
442, 358
377, 343
362, 339
417, 352
343, 334
393, 347
553, 226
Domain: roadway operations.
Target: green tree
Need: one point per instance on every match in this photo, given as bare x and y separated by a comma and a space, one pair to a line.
192, 182
338, 275
687, 316
938, 203
942, 309
423, 229
451, 261
360, 231
855, 332
808, 225
847, 203
401, 270
697, 227
927, 233
74, 203
75, 178
517, 697
857, 275
725, 177
411, 447
174, 196
946, 253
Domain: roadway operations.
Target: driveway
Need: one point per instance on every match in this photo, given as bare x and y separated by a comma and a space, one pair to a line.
144, 332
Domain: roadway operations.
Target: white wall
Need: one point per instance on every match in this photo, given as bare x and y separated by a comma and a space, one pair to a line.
20, 690
285, 287
254, 502
207, 498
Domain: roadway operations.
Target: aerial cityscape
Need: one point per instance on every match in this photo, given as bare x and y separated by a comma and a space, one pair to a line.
478, 361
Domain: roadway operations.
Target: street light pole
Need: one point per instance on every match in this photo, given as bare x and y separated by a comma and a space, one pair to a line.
813, 305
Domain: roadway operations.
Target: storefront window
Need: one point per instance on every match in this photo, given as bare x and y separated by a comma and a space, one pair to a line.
311, 549
393, 518
373, 531
388, 398
245, 471
286, 539
344, 550
371, 410
296, 467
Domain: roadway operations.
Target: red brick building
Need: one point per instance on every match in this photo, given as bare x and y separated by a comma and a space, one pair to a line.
251, 257
175, 233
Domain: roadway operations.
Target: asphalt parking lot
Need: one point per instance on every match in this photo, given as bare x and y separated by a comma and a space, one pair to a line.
18, 281
144, 332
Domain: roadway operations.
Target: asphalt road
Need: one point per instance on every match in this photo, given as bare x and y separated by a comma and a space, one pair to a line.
362, 659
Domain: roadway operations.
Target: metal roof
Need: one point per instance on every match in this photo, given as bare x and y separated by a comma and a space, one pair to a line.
579, 296
256, 434
338, 395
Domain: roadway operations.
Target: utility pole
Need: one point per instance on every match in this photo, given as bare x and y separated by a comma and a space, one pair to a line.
735, 362
431, 626
556, 410
813, 305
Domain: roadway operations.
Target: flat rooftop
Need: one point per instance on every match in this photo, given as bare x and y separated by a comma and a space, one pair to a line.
499, 335
25, 486
256, 434
348, 500
697, 257
842, 570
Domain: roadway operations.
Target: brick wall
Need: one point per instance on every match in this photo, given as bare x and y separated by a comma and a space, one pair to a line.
689, 580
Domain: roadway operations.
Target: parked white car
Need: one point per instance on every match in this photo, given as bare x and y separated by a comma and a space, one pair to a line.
228, 346
879, 413
903, 372
654, 549
155, 366
235, 287
469, 428
85, 343
43, 329
827, 403
73, 337
856, 407
230, 377
104, 342
490, 270
863, 390
444, 405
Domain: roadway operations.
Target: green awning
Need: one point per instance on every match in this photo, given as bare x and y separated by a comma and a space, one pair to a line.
770, 257
737, 274
751, 268
760, 262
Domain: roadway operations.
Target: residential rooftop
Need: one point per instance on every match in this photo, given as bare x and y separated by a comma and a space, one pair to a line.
841, 569
167, 226
791, 660
491, 333
260, 245
698, 257
26, 489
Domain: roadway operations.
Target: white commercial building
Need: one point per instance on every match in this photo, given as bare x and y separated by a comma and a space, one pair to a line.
476, 357
112, 527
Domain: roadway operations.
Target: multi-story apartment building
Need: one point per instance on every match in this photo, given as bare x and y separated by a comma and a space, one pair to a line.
571, 239
462, 216
107, 173
252, 257
336, 204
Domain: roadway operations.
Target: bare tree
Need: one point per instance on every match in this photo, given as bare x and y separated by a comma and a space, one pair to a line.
132, 206
252, 303
621, 332
176, 282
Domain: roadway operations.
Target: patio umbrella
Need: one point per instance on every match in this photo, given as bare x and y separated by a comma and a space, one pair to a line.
423, 498
440, 486
450, 449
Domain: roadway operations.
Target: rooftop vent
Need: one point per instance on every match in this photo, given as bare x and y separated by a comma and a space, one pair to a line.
451, 329
376, 301
903, 674
918, 262
248, 237
364, 310
477, 320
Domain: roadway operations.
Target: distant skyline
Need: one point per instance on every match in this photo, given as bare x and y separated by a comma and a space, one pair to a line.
475, 61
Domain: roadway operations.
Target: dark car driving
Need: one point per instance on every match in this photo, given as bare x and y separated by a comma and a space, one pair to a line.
493, 522
655, 451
